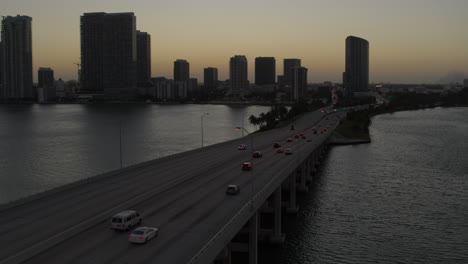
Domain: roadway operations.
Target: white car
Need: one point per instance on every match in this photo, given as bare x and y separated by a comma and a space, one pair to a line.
142, 234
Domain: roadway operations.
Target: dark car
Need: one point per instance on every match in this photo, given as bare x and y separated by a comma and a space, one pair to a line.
301, 134
303, 137
280, 150
296, 136
246, 166
276, 145
232, 189
314, 130
288, 151
257, 154
242, 147
289, 140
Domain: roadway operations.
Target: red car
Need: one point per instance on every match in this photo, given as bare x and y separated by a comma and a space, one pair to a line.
257, 154
279, 150
242, 147
296, 136
276, 145
301, 134
289, 140
246, 166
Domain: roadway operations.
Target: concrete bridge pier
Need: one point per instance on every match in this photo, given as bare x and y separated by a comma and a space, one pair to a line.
253, 238
303, 183
309, 164
292, 207
277, 237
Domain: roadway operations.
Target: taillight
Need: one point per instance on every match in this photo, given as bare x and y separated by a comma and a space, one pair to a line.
129, 236
140, 237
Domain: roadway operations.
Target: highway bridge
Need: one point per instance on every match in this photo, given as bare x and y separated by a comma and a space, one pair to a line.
184, 195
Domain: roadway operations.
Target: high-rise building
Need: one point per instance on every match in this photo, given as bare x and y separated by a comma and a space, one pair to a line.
265, 70
181, 71
238, 77
143, 58
16, 58
298, 82
210, 77
108, 52
356, 75
288, 64
45, 77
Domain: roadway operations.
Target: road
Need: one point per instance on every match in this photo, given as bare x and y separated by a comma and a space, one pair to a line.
183, 195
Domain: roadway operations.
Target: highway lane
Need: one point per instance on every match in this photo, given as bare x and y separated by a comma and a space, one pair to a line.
167, 209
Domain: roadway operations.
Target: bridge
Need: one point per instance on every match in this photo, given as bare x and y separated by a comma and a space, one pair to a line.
184, 195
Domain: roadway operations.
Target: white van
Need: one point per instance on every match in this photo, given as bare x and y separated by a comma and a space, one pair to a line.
125, 220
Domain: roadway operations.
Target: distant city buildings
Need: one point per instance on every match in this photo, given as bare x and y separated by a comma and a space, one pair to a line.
181, 71
238, 76
143, 58
210, 78
108, 53
16, 58
298, 82
46, 87
356, 75
265, 71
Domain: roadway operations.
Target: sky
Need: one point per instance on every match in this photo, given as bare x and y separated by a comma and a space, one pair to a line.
411, 41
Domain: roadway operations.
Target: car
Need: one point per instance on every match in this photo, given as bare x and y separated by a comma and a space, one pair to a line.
125, 220
276, 145
257, 154
309, 140
314, 130
296, 136
143, 234
233, 189
288, 151
242, 147
301, 134
280, 150
303, 137
289, 140
246, 166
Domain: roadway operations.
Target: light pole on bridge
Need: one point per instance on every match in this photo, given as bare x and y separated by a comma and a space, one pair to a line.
201, 121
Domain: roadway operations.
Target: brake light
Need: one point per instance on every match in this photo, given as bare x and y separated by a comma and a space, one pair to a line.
129, 236
140, 237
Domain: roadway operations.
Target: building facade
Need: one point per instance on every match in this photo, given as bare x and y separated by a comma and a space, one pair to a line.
143, 58
108, 53
356, 75
210, 78
181, 71
238, 76
16, 58
265, 71
298, 82
288, 64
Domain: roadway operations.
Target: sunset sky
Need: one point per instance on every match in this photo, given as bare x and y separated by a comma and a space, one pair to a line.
411, 41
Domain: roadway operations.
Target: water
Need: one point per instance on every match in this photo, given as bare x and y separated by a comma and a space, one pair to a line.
401, 199
45, 146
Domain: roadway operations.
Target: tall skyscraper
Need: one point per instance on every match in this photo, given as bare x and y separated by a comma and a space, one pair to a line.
45, 77
356, 75
265, 70
16, 58
181, 71
143, 58
108, 52
288, 65
210, 77
238, 77
298, 82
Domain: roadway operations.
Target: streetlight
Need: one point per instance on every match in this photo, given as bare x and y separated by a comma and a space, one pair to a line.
252, 162
201, 121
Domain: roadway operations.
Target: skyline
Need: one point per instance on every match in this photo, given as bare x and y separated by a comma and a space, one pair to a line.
417, 42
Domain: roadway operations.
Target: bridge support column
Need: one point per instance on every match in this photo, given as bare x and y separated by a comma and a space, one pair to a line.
278, 237
253, 238
292, 208
303, 183
310, 161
